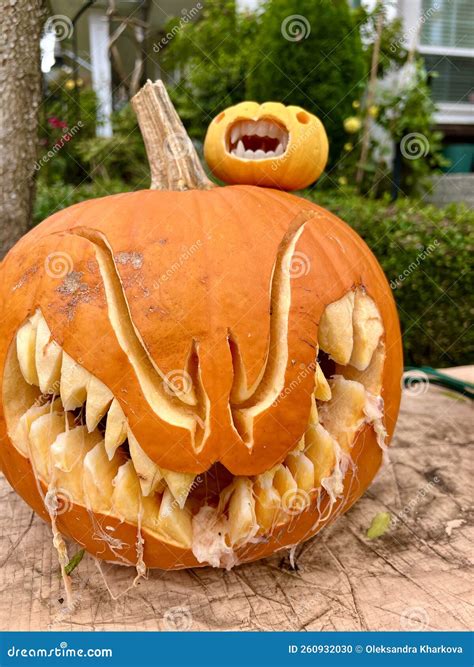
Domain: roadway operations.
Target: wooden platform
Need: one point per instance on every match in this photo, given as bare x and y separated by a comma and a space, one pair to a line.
416, 576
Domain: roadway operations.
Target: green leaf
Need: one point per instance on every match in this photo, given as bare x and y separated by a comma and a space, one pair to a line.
74, 562
379, 525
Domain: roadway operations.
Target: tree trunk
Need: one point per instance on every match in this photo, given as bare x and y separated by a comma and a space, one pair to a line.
21, 23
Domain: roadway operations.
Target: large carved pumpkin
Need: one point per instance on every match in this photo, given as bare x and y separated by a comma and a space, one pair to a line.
193, 377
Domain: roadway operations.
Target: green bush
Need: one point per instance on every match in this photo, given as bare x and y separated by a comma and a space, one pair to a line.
323, 70
429, 248
426, 255
53, 198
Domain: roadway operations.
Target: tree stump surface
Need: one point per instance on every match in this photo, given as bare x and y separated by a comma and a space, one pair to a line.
416, 576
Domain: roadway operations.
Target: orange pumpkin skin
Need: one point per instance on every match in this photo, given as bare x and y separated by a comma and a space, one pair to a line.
216, 293
300, 159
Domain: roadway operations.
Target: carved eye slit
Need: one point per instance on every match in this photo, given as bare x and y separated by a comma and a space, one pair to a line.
77, 437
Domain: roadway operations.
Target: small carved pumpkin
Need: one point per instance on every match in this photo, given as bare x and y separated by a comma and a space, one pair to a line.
266, 144
193, 377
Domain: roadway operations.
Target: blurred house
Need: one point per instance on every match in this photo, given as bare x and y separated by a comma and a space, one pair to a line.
110, 45
443, 33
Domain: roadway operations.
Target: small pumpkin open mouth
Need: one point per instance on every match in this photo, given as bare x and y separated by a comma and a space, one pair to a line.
257, 139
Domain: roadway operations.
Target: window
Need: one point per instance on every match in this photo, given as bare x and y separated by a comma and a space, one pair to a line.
448, 23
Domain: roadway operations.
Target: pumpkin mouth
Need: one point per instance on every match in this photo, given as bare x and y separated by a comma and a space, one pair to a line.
257, 139
77, 438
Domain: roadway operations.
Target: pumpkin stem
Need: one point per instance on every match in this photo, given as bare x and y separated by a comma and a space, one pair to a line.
174, 163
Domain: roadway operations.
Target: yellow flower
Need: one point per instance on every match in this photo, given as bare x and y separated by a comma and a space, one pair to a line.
348, 146
355, 104
373, 111
69, 85
80, 82
342, 180
352, 124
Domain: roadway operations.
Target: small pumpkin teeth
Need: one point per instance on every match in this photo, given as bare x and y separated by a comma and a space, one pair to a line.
335, 335
323, 390
67, 457
149, 474
234, 135
98, 475
368, 329
43, 432
99, 398
26, 349
48, 358
344, 414
242, 520
115, 428
73, 384
263, 132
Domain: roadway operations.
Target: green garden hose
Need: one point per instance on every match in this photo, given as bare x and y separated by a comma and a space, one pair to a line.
415, 374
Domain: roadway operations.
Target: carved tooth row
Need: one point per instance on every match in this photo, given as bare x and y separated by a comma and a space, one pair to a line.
166, 518
67, 458
350, 329
75, 463
44, 364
